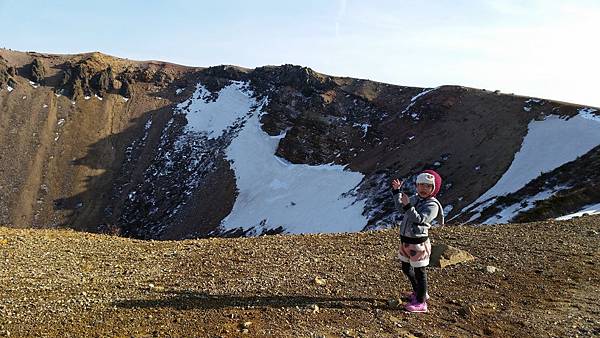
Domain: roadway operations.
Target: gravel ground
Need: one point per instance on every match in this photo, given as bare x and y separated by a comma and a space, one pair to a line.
531, 280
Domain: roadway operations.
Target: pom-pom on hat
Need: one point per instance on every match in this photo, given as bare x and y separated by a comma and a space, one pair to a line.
431, 177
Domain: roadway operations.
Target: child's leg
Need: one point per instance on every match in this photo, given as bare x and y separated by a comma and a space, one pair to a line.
419, 259
410, 273
421, 282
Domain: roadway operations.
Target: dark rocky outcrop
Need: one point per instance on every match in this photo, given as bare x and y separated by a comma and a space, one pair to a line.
38, 71
303, 79
97, 75
7, 74
217, 77
78, 79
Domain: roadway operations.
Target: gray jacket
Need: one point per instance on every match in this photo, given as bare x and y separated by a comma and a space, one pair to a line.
418, 215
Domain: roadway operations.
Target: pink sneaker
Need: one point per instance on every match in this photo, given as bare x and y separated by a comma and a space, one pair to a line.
416, 307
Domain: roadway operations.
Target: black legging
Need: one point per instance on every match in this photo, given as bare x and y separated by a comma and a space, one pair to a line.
418, 280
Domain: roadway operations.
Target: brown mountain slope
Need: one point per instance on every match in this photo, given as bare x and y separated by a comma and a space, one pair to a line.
62, 152
64, 283
82, 147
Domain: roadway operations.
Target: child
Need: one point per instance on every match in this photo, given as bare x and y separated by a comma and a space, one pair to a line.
419, 211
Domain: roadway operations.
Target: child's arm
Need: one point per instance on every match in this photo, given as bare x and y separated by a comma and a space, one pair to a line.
397, 195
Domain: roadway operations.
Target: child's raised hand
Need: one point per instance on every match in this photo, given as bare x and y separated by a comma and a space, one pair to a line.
396, 184
404, 199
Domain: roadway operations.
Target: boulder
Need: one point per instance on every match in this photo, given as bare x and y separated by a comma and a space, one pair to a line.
4, 73
126, 89
38, 71
3, 77
443, 255
102, 81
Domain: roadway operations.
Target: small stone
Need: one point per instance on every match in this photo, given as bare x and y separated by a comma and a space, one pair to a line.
314, 308
246, 325
349, 333
491, 269
393, 303
396, 321
320, 281
245, 331
466, 311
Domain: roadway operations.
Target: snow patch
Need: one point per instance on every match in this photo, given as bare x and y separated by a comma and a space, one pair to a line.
588, 210
148, 124
213, 117
425, 91
587, 113
364, 126
300, 198
532, 100
508, 213
414, 99
548, 145
272, 192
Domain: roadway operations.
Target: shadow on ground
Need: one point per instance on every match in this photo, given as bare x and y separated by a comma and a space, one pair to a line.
188, 300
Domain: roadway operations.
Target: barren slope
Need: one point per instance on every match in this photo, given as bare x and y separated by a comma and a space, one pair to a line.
66, 283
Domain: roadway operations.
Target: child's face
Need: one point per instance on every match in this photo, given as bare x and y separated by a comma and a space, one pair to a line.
424, 190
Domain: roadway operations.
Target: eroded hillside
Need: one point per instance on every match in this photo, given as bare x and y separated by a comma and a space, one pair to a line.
155, 150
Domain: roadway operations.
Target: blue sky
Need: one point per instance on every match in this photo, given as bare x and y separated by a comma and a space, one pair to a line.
539, 48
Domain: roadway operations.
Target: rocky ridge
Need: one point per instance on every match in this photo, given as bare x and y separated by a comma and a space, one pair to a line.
84, 131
